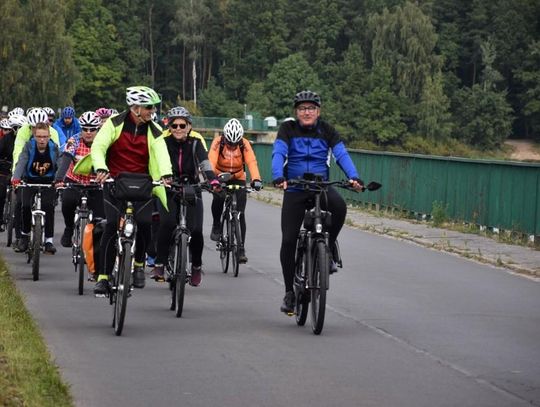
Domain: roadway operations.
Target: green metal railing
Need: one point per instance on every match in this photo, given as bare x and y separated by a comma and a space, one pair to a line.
499, 194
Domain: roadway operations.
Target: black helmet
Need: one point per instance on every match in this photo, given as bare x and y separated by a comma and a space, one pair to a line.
307, 96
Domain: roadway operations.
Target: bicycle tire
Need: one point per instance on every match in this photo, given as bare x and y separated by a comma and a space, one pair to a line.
235, 245
224, 253
36, 248
319, 285
80, 255
181, 273
300, 291
10, 208
123, 287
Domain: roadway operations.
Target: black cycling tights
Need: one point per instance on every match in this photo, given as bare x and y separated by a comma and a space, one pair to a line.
292, 216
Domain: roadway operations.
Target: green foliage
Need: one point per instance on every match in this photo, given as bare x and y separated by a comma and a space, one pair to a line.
439, 213
214, 102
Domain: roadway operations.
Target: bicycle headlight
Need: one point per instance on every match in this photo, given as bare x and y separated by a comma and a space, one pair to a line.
128, 229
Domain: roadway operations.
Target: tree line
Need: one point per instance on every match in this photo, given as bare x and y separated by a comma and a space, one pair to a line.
390, 72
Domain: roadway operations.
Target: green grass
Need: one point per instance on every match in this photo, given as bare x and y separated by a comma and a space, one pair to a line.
27, 375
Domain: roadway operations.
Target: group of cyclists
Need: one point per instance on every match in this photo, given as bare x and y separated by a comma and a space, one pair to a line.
98, 145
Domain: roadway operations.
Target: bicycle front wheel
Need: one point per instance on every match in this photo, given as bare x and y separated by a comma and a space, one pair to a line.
301, 294
181, 272
36, 248
123, 283
224, 244
319, 285
79, 236
235, 239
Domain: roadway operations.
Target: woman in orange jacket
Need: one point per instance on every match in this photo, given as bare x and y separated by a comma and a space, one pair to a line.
231, 153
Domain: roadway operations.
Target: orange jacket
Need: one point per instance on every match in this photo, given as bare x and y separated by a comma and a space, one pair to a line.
230, 160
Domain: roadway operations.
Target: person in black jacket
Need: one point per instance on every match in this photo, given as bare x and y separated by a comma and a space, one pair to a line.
188, 158
7, 142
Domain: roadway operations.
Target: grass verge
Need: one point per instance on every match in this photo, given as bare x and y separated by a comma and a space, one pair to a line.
27, 375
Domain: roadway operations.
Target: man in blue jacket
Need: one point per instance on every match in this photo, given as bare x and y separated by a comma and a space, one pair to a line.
306, 145
68, 123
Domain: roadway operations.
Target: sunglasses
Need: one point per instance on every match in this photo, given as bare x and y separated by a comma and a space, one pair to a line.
176, 126
89, 129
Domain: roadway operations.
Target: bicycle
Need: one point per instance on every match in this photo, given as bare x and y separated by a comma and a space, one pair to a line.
83, 216
178, 269
8, 217
312, 259
136, 187
37, 230
230, 239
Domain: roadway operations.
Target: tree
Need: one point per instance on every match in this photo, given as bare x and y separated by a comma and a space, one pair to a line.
529, 75
214, 102
434, 118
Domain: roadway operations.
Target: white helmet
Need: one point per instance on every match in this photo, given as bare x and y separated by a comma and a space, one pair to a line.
4, 124
16, 111
233, 131
37, 115
90, 119
49, 110
18, 120
141, 95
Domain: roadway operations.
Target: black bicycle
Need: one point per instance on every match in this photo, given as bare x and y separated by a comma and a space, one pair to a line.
83, 216
8, 217
127, 188
312, 260
37, 230
230, 239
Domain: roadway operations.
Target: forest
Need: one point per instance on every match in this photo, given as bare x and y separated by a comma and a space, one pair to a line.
392, 74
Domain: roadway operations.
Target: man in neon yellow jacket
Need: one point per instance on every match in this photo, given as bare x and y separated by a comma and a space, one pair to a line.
129, 142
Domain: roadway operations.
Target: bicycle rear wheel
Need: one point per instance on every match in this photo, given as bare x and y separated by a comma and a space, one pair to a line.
319, 285
301, 294
235, 239
79, 236
181, 272
36, 248
8, 216
224, 241
123, 283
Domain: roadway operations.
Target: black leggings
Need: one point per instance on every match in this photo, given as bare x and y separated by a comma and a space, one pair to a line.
168, 223
292, 215
113, 208
4, 182
241, 201
70, 200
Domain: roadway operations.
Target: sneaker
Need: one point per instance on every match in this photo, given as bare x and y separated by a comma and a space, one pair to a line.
288, 303
138, 277
150, 261
2, 227
102, 287
65, 241
158, 273
91, 277
333, 267
49, 248
216, 233
22, 244
196, 276
242, 258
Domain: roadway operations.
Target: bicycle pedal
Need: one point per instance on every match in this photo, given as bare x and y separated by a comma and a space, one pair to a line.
290, 314
100, 295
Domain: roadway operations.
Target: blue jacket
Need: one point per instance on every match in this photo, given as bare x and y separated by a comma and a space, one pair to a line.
298, 150
61, 136
72, 130
26, 158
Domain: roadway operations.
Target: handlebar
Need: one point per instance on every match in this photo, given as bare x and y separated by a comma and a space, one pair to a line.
319, 184
26, 185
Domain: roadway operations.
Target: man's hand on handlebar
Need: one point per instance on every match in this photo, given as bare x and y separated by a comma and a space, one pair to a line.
357, 184
280, 183
101, 176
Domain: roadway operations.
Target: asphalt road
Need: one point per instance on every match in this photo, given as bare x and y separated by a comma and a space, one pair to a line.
405, 326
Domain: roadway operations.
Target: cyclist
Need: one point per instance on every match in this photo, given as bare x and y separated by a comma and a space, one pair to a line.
230, 153
19, 111
68, 123
37, 165
304, 145
76, 148
103, 113
6, 155
128, 142
188, 157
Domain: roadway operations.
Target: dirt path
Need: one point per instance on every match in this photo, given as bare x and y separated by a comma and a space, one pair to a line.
524, 150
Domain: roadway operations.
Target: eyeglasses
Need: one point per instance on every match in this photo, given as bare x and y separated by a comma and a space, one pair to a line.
307, 109
176, 126
89, 129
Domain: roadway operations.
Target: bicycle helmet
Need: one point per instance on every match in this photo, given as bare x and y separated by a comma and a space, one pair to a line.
4, 124
37, 115
49, 111
307, 96
141, 95
179, 112
113, 112
103, 112
17, 120
233, 131
90, 119
16, 111
68, 111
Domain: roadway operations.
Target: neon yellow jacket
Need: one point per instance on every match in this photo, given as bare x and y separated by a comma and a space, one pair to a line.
159, 164
23, 135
